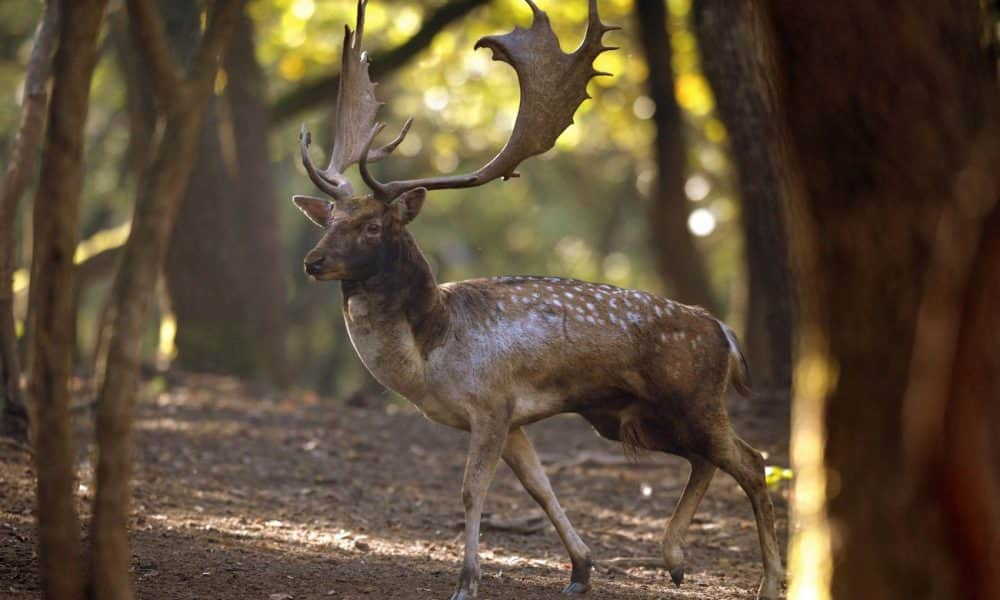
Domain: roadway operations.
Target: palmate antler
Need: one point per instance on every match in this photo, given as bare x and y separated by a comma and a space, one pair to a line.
356, 108
553, 85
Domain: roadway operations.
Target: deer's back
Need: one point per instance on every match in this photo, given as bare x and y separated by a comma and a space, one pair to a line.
538, 341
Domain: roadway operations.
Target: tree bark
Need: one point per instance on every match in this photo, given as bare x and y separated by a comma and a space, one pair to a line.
214, 331
726, 36
14, 418
892, 115
678, 259
229, 220
53, 280
266, 283
182, 101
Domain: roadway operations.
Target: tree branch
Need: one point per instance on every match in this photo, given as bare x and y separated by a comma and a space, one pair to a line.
151, 39
29, 136
213, 42
314, 92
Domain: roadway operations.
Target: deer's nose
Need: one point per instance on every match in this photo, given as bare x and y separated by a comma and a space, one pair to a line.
314, 267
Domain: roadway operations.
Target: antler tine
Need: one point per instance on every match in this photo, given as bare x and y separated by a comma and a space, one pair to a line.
387, 149
334, 189
375, 185
553, 85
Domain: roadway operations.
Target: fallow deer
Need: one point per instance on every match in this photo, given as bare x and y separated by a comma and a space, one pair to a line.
490, 356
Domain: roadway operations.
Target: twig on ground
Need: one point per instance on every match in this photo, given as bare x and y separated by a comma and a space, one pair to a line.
632, 562
590, 458
523, 525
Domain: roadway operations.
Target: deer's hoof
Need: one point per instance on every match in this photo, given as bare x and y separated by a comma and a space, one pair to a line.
576, 587
462, 595
677, 575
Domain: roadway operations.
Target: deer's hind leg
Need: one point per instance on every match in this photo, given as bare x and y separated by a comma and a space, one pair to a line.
519, 454
702, 472
746, 465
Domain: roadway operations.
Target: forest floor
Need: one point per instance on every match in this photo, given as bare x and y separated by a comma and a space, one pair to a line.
241, 493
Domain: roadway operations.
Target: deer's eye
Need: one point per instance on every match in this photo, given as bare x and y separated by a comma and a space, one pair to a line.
373, 228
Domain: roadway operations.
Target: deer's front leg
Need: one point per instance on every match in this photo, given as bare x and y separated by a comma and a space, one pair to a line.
519, 454
485, 445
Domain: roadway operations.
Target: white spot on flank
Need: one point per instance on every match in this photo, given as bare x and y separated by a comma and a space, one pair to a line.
590, 318
663, 337
500, 306
590, 306
659, 312
535, 295
568, 295
612, 304
556, 302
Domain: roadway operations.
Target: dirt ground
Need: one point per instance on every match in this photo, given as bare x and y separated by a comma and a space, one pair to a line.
244, 494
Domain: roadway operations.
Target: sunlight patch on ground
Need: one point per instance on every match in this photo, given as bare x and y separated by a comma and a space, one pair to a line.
303, 537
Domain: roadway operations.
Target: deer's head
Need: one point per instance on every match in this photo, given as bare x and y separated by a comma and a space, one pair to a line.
362, 231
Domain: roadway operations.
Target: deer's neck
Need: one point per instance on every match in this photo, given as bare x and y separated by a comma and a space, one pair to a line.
396, 318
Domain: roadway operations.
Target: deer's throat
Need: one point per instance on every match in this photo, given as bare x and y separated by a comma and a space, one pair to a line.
396, 319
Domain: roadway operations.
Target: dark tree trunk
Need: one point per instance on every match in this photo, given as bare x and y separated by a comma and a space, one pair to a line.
727, 35
677, 258
206, 266
255, 188
53, 280
182, 101
892, 114
224, 274
19, 172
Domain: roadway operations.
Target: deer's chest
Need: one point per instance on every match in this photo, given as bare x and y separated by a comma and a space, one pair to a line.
386, 347
389, 351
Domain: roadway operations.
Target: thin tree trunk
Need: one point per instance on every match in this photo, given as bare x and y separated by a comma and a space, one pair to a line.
677, 258
53, 280
892, 115
182, 102
16, 178
726, 35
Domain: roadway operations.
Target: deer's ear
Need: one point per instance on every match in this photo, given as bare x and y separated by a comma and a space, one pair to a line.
409, 203
317, 210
